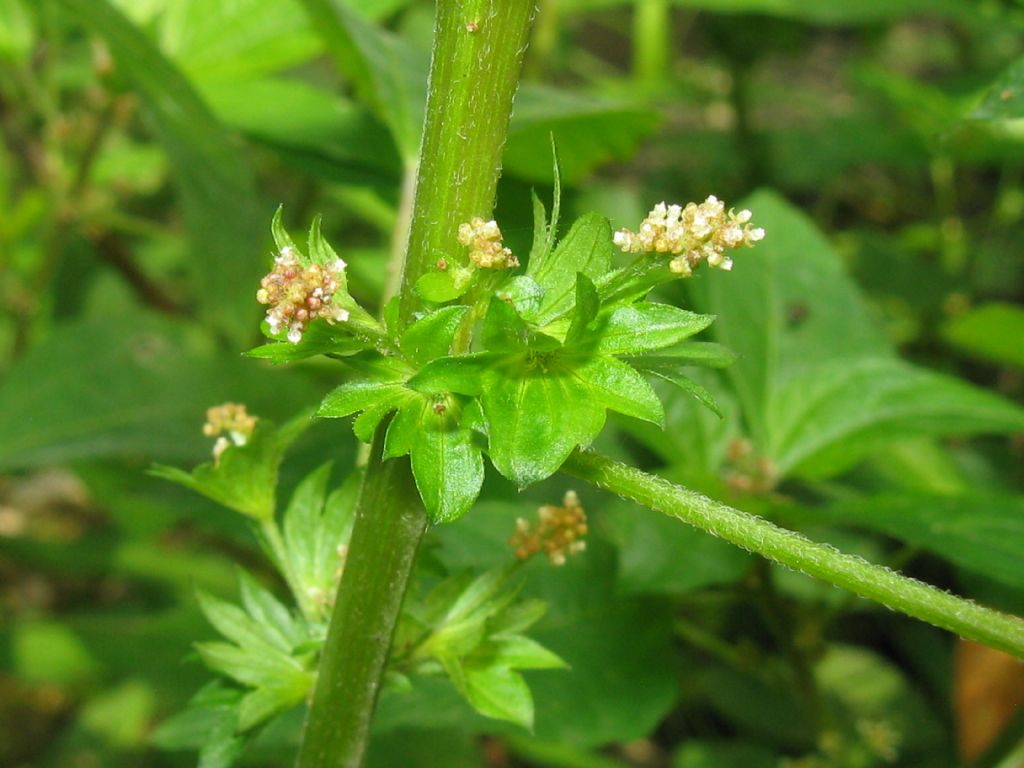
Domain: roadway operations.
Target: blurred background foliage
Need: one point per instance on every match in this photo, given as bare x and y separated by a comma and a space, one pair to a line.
146, 144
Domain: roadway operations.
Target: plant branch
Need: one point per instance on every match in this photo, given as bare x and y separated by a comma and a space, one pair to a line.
793, 550
478, 51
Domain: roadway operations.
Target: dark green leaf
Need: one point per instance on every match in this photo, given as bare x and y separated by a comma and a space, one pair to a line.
587, 305
724, 754
404, 428
503, 328
1005, 98
447, 465
321, 338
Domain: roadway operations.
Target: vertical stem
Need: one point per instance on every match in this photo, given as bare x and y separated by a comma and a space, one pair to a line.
389, 524
478, 53
652, 29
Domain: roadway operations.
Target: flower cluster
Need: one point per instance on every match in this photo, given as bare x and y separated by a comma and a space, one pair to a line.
559, 531
231, 418
296, 295
692, 234
483, 238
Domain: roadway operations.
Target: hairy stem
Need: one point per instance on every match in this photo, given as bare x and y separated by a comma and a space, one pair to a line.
478, 51
390, 522
793, 550
478, 54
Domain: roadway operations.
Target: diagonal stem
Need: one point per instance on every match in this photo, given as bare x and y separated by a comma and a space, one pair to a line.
874, 582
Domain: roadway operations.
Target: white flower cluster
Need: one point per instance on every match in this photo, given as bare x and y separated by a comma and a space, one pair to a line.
297, 295
693, 234
233, 419
483, 238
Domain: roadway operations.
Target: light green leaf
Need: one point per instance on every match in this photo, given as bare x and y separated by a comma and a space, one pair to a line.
16, 32
587, 248
587, 305
991, 332
321, 338
517, 652
688, 353
618, 387
640, 327
213, 709
218, 195
313, 130
250, 667
536, 419
389, 75
431, 336
829, 417
668, 369
444, 285
277, 621
228, 40
245, 476
498, 692
503, 329
300, 524
524, 294
267, 700
237, 625
404, 428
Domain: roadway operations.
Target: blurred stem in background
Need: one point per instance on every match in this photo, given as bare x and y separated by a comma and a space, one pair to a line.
652, 34
478, 53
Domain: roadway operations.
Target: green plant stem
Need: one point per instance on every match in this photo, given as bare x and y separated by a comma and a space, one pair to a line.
389, 525
478, 51
793, 550
478, 54
652, 30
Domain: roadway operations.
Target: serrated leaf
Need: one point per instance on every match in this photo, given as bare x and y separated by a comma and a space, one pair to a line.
430, 336
245, 476
366, 423
335, 529
236, 625
524, 294
637, 328
536, 418
831, 416
266, 701
448, 467
281, 237
503, 329
249, 667
587, 248
669, 369
321, 252
277, 621
361, 395
618, 387
300, 523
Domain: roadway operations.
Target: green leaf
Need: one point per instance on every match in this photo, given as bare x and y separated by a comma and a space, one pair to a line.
1004, 99
524, 294
657, 557
786, 305
360, 395
311, 129
587, 305
237, 625
587, 248
725, 754
640, 327
498, 692
430, 337
250, 667
300, 524
688, 353
320, 251
266, 701
618, 387
503, 328
831, 416
991, 332
321, 338
388, 75
668, 369
212, 712
447, 466
444, 285
537, 416
218, 194
245, 476
589, 132
517, 652
139, 392
228, 41
981, 532
277, 621
404, 428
